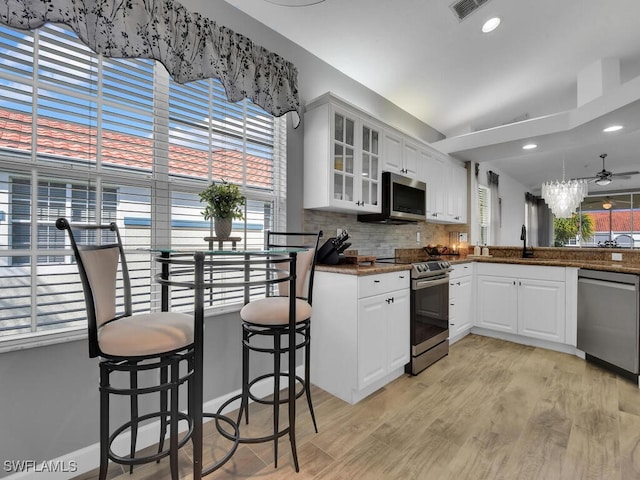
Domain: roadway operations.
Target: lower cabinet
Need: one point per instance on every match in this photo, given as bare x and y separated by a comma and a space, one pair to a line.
523, 300
497, 303
460, 301
360, 332
383, 335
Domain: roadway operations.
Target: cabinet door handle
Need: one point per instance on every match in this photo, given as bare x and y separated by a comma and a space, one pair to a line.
520, 284
401, 276
514, 282
376, 281
458, 283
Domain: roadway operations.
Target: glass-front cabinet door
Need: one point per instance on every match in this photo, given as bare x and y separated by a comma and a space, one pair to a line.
370, 175
343, 157
356, 163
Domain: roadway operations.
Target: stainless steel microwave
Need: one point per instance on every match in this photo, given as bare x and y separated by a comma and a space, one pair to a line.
404, 200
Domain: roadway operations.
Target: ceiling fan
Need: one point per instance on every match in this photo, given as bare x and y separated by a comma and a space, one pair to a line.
604, 176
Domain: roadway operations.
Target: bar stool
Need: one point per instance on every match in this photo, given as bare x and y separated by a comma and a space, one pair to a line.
269, 318
131, 344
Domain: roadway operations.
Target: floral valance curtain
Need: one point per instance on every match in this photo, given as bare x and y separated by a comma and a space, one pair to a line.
190, 46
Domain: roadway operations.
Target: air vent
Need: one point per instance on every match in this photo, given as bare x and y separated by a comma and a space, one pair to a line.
464, 8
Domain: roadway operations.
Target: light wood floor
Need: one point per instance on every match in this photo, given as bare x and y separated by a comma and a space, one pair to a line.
490, 410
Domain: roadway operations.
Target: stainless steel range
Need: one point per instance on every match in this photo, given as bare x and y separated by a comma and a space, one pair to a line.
429, 313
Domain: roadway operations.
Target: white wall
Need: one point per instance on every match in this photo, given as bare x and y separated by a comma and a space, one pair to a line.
512, 194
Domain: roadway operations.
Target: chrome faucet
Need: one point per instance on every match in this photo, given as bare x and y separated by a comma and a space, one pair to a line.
523, 236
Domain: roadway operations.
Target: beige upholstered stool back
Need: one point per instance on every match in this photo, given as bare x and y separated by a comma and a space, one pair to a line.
304, 262
101, 267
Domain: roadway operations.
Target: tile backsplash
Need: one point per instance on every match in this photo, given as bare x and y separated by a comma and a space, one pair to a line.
372, 238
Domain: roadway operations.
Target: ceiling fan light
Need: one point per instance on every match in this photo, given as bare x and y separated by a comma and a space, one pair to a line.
607, 204
529, 146
612, 128
603, 181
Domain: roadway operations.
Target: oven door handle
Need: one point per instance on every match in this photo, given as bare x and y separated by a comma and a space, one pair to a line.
420, 284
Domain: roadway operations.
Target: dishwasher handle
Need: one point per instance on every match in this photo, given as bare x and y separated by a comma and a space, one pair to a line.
609, 284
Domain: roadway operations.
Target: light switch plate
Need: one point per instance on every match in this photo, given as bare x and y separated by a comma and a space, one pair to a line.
463, 237
616, 256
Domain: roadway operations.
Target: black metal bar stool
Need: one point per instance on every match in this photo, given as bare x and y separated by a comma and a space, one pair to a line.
275, 318
160, 342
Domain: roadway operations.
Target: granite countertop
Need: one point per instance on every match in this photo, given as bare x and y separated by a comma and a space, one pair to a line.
607, 265
351, 269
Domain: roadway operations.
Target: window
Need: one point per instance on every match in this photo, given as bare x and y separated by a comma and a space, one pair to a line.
484, 214
613, 221
98, 139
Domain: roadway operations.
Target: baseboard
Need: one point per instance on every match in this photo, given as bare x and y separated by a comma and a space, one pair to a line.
86, 459
523, 340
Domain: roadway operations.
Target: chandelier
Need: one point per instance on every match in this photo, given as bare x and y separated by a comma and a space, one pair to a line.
564, 197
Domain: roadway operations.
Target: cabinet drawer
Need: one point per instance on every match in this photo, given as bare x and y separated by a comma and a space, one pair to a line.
369, 285
533, 272
461, 270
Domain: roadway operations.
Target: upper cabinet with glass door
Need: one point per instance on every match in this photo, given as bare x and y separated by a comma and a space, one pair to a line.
341, 159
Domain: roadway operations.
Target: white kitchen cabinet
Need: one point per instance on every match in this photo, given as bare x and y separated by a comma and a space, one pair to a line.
360, 332
457, 194
435, 176
497, 303
377, 314
521, 299
400, 154
541, 307
342, 150
460, 301
446, 187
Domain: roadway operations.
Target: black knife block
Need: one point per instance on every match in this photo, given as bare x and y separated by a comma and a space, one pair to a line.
330, 253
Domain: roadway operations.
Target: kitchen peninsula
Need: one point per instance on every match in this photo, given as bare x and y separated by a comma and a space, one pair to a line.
531, 301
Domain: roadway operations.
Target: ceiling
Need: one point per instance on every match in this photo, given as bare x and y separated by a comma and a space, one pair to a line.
491, 93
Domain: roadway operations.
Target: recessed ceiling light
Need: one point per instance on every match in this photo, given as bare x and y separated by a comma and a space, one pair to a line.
529, 146
490, 25
612, 128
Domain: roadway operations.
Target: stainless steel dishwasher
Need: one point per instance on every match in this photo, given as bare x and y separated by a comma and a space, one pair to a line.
608, 318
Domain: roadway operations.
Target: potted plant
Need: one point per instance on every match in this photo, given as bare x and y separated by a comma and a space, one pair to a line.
224, 203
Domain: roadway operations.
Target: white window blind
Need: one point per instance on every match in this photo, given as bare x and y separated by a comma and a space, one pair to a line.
100, 140
484, 214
